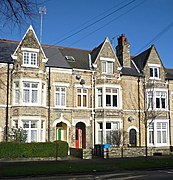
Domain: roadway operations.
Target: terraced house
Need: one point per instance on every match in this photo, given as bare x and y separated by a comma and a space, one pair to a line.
83, 96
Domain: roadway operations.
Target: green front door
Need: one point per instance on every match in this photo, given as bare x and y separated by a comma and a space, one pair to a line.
58, 132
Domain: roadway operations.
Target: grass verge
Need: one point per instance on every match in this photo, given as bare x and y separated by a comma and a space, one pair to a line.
17, 169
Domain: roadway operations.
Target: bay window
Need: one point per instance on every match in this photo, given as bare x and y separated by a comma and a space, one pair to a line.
30, 92
16, 92
108, 97
158, 133
106, 132
157, 100
111, 97
100, 133
161, 132
30, 126
100, 100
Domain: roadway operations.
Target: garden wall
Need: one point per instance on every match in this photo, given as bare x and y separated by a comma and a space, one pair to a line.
134, 152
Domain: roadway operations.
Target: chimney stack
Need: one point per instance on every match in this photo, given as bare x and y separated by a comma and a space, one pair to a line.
123, 51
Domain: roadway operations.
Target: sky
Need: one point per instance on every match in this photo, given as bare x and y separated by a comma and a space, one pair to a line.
85, 24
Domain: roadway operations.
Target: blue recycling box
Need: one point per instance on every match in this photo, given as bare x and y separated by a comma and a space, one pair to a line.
106, 146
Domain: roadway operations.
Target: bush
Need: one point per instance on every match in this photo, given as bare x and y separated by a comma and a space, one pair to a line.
30, 150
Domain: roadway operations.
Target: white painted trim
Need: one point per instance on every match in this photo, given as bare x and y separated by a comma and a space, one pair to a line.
109, 86
59, 70
155, 133
61, 84
14, 57
135, 66
30, 49
107, 59
104, 86
83, 120
82, 86
132, 127
82, 70
154, 65
30, 28
61, 119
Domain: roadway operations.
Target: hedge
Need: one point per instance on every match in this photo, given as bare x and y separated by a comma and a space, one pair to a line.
33, 150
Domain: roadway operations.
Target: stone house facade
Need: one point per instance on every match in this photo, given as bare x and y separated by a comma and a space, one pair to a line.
82, 96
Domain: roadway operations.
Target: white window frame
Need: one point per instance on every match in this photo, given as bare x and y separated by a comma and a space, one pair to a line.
155, 131
82, 94
16, 93
43, 94
118, 94
107, 67
154, 94
155, 69
32, 60
42, 133
29, 129
116, 124
30, 90
100, 132
61, 94
100, 97
112, 95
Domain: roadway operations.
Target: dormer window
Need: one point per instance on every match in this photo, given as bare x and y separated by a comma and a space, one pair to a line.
30, 59
107, 67
154, 71
70, 58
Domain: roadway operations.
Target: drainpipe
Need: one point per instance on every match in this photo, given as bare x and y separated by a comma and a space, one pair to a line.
169, 116
93, 110
7, 97
92, 103
139, 111
49, 88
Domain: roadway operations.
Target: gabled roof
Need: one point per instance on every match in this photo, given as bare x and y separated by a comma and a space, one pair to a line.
141, 59
30, 28
94, 53
81, 57
6, 49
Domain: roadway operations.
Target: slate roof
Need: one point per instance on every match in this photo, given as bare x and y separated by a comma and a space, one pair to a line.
55, 58
94, 53
141, 59
169, 74
6, 49
81, 57
130, 71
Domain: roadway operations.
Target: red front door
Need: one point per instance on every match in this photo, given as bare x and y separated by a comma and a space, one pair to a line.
77, 138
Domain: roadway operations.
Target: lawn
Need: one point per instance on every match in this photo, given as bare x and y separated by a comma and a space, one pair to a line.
32, 168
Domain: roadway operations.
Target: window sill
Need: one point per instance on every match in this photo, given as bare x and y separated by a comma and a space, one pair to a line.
29, 66
153, 78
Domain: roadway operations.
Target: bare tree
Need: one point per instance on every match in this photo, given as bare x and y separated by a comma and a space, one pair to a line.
17, 12
117, 137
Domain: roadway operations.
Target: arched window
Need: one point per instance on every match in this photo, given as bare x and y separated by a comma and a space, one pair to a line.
132, 137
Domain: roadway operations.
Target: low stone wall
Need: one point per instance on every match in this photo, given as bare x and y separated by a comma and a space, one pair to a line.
115, 152
81, 153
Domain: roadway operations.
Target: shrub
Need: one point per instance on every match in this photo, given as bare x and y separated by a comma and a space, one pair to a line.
30, 150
